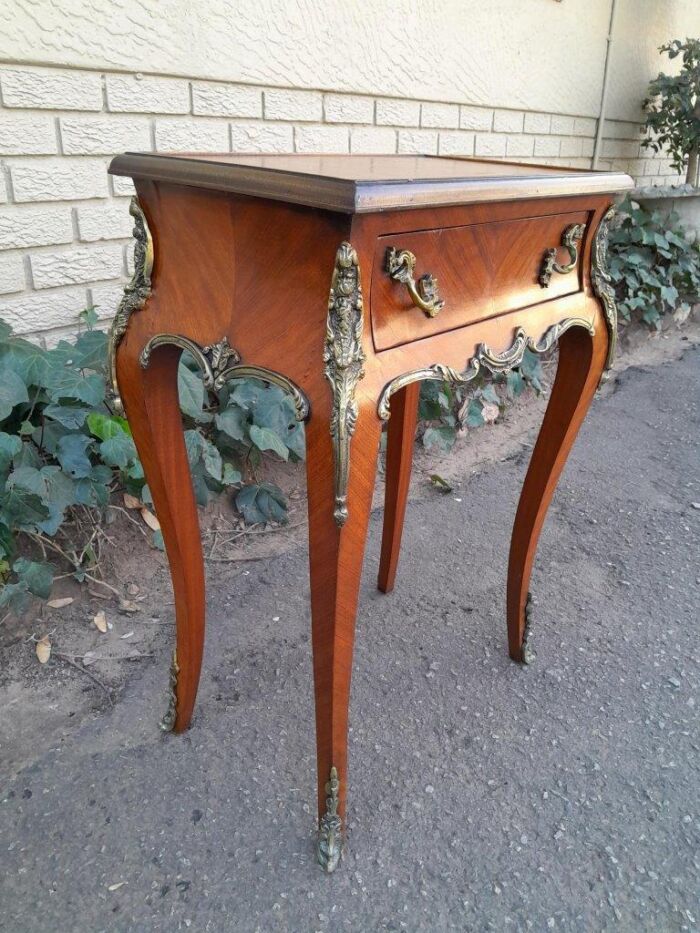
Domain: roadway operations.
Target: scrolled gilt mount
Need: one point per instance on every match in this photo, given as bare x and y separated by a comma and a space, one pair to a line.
220, 362
135, 295
401, 265
569, 240
485, 358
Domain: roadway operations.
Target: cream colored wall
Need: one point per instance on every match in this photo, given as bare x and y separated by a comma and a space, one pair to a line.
526, 54
83, 79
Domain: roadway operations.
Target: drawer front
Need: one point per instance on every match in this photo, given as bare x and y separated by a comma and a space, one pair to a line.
482, 270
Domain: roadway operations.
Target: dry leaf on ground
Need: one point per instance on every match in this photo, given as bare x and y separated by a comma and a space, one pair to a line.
490, 412
60, 603
100, 621
43, 649
150, 520
131, 502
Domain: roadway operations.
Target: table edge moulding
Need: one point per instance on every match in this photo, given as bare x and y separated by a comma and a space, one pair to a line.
319, 274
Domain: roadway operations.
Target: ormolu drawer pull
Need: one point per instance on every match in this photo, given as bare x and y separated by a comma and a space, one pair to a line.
569, 240
400, 264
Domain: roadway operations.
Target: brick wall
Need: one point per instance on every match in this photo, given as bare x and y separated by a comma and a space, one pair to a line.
64, 226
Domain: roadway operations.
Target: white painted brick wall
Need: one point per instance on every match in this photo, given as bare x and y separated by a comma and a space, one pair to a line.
40, 225
11, 273
262, 137
508, 121
139, 94
519, 146
347, 108
418, 141
64, 224
50, 89
73, 266
440, 116
183, 135
321, 139
65, 179
293, 105
108, 221
458, 143
226, 100
373, 140
537, 122
475, 118
490, 145
27, 135
104, 136
397, 112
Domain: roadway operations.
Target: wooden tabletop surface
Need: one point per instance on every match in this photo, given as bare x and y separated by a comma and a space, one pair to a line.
367, 183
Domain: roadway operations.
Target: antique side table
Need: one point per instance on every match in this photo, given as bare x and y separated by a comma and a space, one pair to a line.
347, 280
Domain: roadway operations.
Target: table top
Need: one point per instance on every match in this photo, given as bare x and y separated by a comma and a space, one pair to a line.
368, 183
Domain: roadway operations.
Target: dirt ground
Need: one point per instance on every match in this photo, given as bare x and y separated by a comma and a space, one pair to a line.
62, 728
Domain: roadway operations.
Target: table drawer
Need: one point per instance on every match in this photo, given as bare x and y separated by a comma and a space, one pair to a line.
481, 270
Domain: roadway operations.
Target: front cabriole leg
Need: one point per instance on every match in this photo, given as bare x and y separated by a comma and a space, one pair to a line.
342, 443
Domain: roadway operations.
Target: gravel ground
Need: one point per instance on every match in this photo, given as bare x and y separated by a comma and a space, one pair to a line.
484, 795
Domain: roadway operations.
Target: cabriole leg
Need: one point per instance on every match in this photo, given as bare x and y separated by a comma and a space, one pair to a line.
335, 553
152, 406
401, 432
581, 363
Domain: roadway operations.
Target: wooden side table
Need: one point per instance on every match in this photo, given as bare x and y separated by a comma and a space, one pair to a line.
347, 280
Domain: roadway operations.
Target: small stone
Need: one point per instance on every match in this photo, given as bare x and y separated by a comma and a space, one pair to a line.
429, 789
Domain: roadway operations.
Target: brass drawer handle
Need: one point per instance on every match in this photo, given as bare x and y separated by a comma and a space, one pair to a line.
401, 264
569, 240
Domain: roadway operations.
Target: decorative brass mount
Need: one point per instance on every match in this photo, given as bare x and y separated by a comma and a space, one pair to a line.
569, 240
401, 264
344, 360
135, 295
485, 359
330, 837
220, 362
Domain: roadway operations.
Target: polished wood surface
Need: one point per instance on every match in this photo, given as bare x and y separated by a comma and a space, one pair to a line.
482, 270
366, 184
257, 272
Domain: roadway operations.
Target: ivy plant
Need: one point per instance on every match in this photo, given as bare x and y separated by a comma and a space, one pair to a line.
654, 268
450, 410
63, 450
673, 110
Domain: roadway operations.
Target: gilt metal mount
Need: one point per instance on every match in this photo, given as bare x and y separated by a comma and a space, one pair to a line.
401, 265
135, 295
220, 362
167, 723
344, 358
485, 358
602, 282
570, 240
330, 834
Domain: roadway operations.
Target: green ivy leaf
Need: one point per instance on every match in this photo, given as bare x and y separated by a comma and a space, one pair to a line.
91, 350
13, 391
106, 426
71, 383
233, 421
118, 451
262, 503
231, 476
191, 390
72, 452
267, 439
442, 437
70, 416
38, 578
14, 596
10, 446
